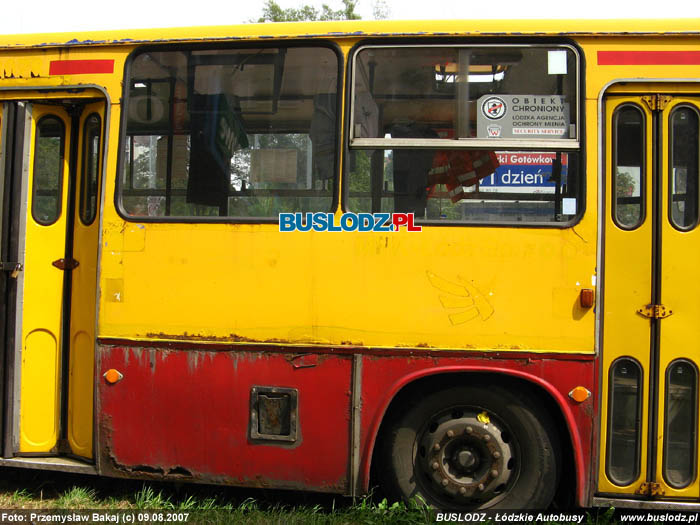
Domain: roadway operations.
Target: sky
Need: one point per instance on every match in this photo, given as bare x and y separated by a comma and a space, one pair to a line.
39, 16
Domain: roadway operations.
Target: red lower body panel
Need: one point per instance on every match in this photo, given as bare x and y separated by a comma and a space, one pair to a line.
556, 376
187, 413
184, 411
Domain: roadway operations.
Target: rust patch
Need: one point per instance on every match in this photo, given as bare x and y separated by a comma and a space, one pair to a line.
179, 471
261, 350
416, 345
144, 469
231, 338
109, 464
512, 347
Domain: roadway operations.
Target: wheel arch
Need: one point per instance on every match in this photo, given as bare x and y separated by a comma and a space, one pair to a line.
444, 377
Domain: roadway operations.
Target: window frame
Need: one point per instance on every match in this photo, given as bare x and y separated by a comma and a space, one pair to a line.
223, 46
573, 146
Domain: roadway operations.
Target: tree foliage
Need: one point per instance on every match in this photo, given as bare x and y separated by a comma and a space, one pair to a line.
380, 10
272, 12
625, 184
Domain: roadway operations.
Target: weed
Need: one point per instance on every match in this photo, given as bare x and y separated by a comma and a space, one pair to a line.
147, 498
21, 496
77, 498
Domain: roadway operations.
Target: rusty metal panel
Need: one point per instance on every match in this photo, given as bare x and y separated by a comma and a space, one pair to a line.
185, 413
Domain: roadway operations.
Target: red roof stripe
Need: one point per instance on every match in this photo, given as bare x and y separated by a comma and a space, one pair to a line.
80, 67
648, 58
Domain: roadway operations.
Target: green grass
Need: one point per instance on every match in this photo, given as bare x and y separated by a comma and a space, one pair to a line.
26, 489
147, 499
250, 512
77, 498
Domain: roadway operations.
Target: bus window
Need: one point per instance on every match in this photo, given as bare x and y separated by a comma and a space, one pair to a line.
680, 451
629, 163
91, 169
48, 170
230, 133
624, 425
684, 167
427, 183
466, 134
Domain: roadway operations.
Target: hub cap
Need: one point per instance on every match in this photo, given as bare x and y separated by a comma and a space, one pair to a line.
467, 457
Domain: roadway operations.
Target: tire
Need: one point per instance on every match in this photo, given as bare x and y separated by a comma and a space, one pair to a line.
471, 447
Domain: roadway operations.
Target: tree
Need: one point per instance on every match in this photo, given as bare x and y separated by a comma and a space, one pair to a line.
272, 12
628, 214
380, 10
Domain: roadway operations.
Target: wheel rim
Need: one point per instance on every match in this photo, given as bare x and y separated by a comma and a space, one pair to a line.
467, 457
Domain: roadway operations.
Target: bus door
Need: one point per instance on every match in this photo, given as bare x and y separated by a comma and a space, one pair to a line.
51, 236
651, 311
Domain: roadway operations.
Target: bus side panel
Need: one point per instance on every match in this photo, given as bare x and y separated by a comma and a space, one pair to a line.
186, 413
384, 377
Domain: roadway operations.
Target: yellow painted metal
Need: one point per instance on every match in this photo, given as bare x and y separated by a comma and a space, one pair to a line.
680, 332
243, 283
83, 300
445, 288
40, 395
628, 279
643, 28
628, 287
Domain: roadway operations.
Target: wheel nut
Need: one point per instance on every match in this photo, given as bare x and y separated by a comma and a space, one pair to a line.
450, 434
436, 446
487, 438
494, 473
444, 482
481, 486
496, 454
462, 491
435, 465
469, 430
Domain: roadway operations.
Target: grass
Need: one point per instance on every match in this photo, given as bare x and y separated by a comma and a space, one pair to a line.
26, 489
77, 498
204, 504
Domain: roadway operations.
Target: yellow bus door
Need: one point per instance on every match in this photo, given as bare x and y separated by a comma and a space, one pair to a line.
83, 287
56, 287
651, 314
42, 293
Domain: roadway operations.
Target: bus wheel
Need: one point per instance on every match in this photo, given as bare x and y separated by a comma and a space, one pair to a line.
470, 447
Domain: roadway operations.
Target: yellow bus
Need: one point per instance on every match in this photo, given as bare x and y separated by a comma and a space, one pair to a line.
448, 258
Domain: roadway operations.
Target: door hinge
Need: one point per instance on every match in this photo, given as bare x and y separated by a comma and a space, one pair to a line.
65, 264
656, 102
13, 267
651, 489
655, 311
